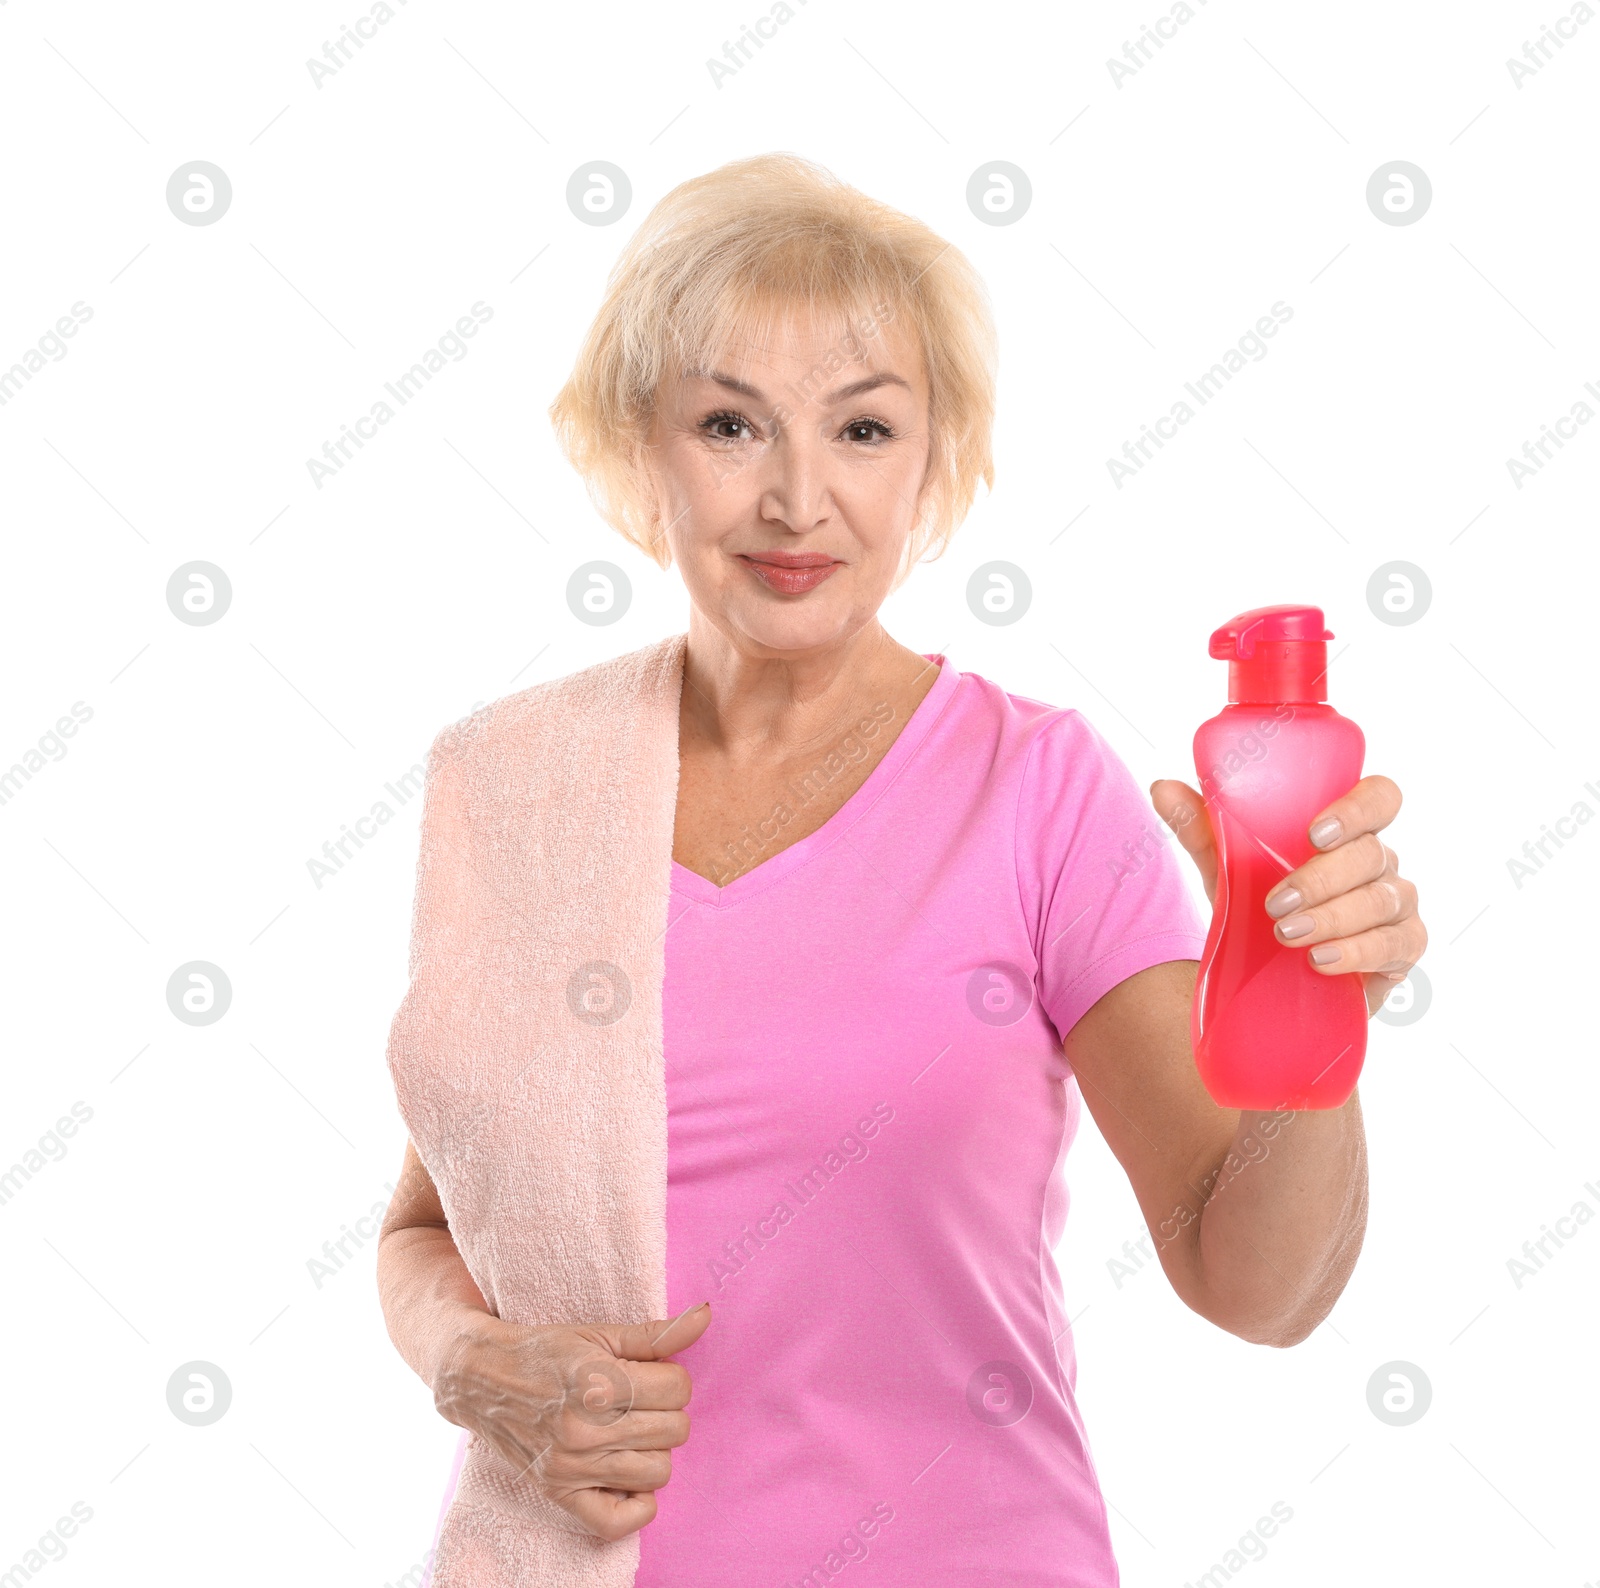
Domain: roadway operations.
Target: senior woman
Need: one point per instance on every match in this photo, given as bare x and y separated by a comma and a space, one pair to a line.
898, 958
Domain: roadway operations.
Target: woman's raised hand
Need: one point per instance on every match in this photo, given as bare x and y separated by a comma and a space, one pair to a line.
1347, 905
587, 1413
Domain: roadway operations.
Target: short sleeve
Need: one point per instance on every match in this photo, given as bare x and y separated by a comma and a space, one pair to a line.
1103, 881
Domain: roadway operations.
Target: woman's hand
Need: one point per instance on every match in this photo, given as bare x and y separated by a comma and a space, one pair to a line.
1347, 905
588, 1413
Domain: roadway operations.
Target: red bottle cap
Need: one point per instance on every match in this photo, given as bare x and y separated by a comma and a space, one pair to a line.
1274, 654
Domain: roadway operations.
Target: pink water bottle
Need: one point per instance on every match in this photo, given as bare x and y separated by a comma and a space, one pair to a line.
1268, 1031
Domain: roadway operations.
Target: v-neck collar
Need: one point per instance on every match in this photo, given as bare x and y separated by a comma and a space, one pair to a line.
691, 885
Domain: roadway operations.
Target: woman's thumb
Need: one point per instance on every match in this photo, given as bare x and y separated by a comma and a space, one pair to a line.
1183, 809
661, 1337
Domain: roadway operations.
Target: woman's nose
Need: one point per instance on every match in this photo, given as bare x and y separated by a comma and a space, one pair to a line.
796, 487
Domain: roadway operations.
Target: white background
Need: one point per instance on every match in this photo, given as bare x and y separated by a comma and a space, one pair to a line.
429, 173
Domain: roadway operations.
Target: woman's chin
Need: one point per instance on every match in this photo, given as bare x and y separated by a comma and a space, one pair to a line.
792, 623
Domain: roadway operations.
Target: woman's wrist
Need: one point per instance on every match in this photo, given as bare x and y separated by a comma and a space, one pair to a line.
460, 1370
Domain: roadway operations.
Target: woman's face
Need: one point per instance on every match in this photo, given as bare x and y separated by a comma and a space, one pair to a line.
787, 478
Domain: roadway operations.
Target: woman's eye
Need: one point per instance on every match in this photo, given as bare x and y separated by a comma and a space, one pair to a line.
725, 427
868, 431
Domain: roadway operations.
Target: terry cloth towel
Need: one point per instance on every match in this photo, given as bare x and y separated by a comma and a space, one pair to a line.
527, 1052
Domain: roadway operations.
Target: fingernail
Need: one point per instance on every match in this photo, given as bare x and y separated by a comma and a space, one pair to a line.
1296, 926
1326, 832
1282, 903
1324, 953
702, 1307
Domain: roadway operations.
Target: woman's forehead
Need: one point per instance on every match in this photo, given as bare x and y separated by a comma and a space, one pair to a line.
830, 335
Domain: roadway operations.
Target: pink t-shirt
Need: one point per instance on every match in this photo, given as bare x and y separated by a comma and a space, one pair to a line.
868, 1110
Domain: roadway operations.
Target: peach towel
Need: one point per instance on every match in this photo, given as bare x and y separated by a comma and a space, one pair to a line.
527, 1052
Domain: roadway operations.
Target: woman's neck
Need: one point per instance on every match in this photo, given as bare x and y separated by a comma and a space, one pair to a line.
761, 708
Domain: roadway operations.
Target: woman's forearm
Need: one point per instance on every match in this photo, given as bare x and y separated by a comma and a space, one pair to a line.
1282, 1227
430, 1302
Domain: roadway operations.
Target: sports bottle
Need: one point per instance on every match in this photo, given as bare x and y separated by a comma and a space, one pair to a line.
1268, 1031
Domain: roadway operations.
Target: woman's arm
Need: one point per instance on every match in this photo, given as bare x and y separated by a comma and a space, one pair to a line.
430, 1302
589, 1413
1257, 1217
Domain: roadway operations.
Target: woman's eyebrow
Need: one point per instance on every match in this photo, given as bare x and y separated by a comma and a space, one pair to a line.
854, 389
742, 387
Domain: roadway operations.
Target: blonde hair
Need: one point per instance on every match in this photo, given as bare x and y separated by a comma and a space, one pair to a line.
732, 253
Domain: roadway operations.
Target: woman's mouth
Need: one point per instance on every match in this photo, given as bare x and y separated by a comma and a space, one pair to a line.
793, 573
